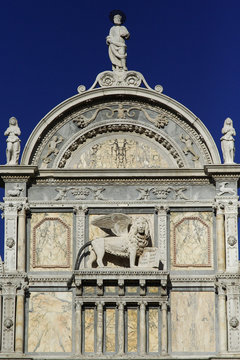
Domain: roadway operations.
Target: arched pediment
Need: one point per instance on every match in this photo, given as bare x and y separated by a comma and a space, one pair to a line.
101, 124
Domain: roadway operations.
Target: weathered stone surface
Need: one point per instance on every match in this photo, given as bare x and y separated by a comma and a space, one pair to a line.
50, 322
193, 321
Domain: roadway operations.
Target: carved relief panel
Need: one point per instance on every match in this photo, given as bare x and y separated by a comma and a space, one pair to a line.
115, 235
51, 241
191, 240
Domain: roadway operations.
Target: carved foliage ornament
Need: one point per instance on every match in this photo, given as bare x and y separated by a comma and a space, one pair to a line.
160, 120
162, 193
119, 79
80, 193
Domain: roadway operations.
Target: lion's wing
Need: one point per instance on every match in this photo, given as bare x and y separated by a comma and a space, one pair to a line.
113, 223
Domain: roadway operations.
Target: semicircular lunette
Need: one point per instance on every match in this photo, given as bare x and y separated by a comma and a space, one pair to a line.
121, 146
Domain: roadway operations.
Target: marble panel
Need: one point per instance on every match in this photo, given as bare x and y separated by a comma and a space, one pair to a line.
89, 330
191, 240
153, 330
193, 321
50, 322
110, 330
111, 290
131, 289
153, 289
89, 290
51, 241
132, 330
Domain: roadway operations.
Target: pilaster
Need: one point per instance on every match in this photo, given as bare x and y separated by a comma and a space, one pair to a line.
80, 212
233, 312
162, 212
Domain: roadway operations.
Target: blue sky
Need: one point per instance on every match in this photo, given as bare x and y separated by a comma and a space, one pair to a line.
49, 47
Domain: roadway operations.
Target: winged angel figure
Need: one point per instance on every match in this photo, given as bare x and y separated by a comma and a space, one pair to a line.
128, 237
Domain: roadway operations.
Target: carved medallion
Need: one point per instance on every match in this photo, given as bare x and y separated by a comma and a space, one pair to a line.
231, 240
234, 322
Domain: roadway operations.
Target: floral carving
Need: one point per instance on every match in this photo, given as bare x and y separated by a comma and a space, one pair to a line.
80, 193
122, 78
161, 193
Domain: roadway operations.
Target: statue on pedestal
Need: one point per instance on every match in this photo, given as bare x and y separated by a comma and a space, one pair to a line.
13, 142
227, 141
116, 41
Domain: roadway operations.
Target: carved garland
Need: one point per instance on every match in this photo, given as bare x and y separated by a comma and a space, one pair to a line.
120, 127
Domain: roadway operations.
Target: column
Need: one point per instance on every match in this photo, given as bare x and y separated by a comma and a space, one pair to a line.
164, 332
121, 331
221, 253
19, 336
222, 317
78, 326
142, 337
99, 327
81, 212
21, 238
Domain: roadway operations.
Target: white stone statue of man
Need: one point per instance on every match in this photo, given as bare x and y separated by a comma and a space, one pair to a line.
227, 141
116, 41
13, 142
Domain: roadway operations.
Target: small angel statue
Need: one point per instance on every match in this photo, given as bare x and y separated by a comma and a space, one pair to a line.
13, 142
227, 141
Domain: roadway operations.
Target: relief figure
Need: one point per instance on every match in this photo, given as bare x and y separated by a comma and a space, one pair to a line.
127, 238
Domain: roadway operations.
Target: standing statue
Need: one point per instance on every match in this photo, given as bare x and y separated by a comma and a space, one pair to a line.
13, 142
116, 41
227, 141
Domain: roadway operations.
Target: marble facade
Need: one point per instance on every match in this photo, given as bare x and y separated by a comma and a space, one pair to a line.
164, 286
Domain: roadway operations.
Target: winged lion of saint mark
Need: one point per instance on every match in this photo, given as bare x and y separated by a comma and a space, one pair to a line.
126, 237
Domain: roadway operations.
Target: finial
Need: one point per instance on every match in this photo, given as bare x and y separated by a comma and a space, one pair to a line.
116, 41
